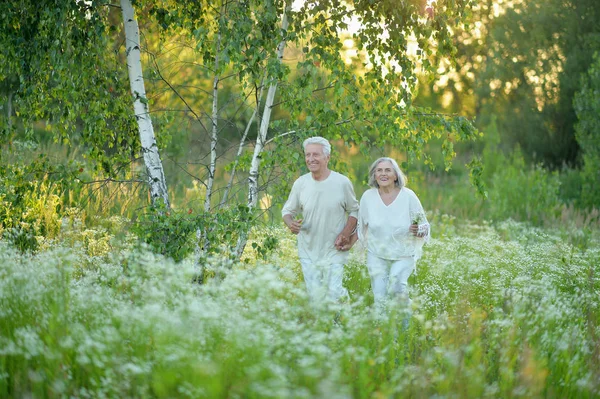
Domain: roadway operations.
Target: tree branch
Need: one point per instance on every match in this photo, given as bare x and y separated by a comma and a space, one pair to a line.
188, 106
111, 180
331, 85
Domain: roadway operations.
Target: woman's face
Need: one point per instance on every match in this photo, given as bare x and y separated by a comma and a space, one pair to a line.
385, 175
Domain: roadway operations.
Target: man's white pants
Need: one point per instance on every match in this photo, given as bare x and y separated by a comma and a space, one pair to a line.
389, 280
324, 281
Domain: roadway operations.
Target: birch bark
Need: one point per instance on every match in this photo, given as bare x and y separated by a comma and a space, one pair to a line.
261, 139
214, 132
264, 127
242, 144
154, 168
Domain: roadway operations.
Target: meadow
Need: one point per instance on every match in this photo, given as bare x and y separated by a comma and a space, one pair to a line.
102, 292
500, 310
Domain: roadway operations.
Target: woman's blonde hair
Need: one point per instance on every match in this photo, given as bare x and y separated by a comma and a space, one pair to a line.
401, 178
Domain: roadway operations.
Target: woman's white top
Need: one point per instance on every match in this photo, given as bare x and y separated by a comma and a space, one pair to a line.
324, 207
384, 229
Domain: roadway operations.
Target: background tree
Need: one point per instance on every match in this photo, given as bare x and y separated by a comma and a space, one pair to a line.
587, 107
59, 83
55, 74
521, 63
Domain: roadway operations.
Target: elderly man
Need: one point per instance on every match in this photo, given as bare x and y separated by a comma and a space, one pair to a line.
322, 210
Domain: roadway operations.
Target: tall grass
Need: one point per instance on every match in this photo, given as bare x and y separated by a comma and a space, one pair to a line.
499, 311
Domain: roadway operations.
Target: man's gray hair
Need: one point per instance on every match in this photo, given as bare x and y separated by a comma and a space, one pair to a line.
318, 140
400, 182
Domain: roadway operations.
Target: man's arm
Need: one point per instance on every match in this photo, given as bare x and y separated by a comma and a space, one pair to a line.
290, 208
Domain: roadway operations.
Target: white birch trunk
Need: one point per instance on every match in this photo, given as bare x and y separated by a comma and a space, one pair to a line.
201, 236
242, 144
154, 168
264, 128
214, 134
260, 141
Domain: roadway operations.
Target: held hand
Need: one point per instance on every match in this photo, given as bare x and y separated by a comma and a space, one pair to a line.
342, 242
351, 241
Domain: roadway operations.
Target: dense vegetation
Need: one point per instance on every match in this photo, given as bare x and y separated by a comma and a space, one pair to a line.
499, 311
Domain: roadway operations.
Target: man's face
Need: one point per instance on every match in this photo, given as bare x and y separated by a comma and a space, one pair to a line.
315, 159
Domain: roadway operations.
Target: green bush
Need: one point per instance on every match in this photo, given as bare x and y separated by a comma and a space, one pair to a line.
587, 107
29, 203
178, 234
524, 193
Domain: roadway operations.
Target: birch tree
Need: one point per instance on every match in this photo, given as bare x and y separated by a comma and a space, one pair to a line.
264, 125
154, 169
262, 138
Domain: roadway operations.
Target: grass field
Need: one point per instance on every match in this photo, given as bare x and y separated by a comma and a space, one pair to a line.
499, 311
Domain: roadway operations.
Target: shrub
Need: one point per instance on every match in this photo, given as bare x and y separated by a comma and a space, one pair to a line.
524, 193
587, 107
29, 203
178, 234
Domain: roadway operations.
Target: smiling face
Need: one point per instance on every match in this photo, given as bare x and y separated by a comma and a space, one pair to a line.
315, 158
385, 176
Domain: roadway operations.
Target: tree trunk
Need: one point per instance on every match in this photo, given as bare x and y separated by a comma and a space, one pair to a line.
264, 127
201, 236
214, 133
242, 144
261, 139
154, 168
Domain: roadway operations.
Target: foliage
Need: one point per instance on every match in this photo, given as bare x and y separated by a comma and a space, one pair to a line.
220, 56
30, 200
520, 62
516, 190
498, 312
178, 234
587, 107
513, 189
475, 176
320, 91
57, 67
524, 193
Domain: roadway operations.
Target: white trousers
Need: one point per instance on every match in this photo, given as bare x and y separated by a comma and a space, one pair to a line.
389, 280
324, 281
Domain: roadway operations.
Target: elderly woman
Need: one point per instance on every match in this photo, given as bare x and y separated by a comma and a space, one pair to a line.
393, 225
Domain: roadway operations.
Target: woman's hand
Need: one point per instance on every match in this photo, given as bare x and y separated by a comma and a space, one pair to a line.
418, 230
344, 242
